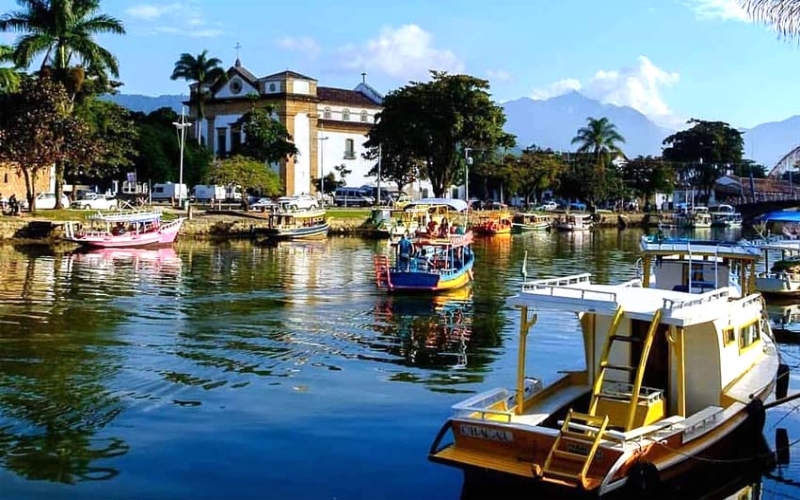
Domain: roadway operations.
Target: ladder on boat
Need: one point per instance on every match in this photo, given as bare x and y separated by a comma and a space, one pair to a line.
636, 371
574, 449
382, 275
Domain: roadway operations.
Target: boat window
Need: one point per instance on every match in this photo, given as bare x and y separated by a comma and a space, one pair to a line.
729, 335
748, 335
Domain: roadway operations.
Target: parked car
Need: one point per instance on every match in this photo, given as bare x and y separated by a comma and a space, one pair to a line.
298, 202
548, 206
94, 201
47, 201
262, 205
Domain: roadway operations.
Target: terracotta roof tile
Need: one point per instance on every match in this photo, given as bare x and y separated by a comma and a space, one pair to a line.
343, 96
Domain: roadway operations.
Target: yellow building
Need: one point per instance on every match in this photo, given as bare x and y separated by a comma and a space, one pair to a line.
13, 182
328, 125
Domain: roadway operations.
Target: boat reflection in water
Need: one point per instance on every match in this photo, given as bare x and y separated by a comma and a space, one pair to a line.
785, 319
426, 331
140, 260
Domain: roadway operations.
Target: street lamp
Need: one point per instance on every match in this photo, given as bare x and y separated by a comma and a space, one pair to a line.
467, 163
380, 158
180, 128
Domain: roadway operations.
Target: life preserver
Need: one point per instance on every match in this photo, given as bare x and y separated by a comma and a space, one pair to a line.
643, 479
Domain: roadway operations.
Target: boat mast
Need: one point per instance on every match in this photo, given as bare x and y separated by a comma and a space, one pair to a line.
525, 325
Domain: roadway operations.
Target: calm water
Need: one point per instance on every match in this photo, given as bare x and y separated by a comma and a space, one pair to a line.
238, 371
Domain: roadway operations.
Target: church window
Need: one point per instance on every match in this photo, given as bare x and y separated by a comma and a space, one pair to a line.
364, 116
349, 149
346, 115
326, 114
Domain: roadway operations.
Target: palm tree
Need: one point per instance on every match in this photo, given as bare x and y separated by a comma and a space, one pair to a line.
599, 137
203, 71
783, 15
9, 78
62, 31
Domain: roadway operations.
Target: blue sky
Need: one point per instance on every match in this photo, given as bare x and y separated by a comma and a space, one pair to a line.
670, 59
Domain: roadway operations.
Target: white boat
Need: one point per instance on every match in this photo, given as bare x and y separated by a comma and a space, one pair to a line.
668, 377
574, 222
726, 216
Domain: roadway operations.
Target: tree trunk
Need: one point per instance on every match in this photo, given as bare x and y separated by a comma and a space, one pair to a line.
59, 183
30, 189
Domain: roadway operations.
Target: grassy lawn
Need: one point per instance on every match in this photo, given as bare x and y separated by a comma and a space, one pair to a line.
348, 213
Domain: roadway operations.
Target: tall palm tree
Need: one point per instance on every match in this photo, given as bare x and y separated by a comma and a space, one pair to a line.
62, 32
203, 71
783, 15
9, 78
600, 138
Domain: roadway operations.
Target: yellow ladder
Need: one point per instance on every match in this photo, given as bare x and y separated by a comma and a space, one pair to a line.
637, 371
574, 448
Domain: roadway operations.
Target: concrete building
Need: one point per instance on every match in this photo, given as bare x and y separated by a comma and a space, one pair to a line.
328, 125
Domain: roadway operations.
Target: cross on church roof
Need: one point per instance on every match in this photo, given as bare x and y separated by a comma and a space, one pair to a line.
238, 61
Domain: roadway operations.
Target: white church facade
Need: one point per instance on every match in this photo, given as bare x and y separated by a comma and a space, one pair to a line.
328, 125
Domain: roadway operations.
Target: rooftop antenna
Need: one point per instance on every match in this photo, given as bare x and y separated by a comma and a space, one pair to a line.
363, 78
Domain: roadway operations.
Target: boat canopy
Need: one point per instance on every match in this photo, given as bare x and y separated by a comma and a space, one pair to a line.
743, 250
128, 217
781, 216
452, 203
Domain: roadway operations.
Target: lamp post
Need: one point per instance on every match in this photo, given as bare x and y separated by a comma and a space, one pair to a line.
180, 128
467, 163
380, 158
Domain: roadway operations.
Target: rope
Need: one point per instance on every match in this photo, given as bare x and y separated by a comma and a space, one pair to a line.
721, 461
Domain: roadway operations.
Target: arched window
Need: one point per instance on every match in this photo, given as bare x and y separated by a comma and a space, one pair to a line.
364, 116
346, 115
326, 114
349, 149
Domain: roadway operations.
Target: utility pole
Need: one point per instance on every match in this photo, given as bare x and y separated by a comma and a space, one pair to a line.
180, 128
380, 158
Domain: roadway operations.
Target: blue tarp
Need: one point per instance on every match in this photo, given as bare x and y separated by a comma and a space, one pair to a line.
783, 216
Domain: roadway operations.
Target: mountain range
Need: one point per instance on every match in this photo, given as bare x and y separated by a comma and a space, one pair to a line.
552, 123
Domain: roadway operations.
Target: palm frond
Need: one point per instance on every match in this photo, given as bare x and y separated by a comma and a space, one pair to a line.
782, 15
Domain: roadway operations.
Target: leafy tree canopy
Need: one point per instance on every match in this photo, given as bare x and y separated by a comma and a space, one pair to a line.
250, 174
266, 139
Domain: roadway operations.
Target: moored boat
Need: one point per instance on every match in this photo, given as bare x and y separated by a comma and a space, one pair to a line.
297, 225
120, 229
574, 222
434, 264
726, 216
493, 222
668, 376
529, 221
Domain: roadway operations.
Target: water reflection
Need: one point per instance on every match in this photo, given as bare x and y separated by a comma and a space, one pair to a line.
54, 369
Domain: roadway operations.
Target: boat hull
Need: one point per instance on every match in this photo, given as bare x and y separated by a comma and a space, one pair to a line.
165, 235
527, 228
300, 233
422, 281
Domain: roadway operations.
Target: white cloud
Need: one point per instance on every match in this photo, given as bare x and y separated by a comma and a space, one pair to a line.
499, 75
151, 12
405, 52
184, 18
556, 89
726, 10
638, 87
304, 45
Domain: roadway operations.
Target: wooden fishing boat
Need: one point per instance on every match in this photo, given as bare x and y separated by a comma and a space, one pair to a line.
574, 222
297, 225
781, 280
435, 264
668, 377
493, 222
524, 222
127, 228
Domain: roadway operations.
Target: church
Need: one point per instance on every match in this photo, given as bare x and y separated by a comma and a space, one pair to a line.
328, 125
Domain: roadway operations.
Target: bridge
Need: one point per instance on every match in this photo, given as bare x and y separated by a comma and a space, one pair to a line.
751, 211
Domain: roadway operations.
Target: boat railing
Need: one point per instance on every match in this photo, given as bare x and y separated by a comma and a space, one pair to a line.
624, 391
779, 275
574, 279
495, 404
171, 224
704, 298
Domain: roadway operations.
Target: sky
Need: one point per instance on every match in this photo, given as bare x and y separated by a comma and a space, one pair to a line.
670, 59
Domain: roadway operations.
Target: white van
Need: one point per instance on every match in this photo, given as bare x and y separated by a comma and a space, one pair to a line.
169, 191
208, 192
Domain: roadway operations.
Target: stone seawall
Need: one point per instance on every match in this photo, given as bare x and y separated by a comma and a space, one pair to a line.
231, 225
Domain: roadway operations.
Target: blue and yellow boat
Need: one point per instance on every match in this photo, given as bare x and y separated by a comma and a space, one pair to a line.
435, 264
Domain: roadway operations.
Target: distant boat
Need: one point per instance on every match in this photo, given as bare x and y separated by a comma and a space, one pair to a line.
297, 225
123, 229
437, 263
493, 222
726, 216
524, 222
574, 222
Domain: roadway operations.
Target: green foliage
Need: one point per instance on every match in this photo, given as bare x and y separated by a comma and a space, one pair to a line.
746, 167
157, 149
704, 152
431, 123
250, 174
600, 138
36, 131
266, 139
329, 185
343, 172
113, 130
648, 175
536, 170
203, 72
396, 165
9, 79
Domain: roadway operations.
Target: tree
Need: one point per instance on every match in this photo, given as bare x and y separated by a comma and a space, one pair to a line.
434, 121
600, 138
538, 170
36, 131
266, 139
783, 15
250, 174
62, 33
343, 172
704, 152
204, 72
648, 175
9, 79
397, 165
